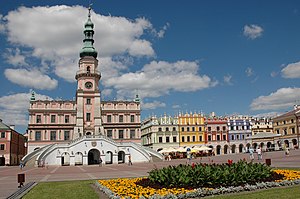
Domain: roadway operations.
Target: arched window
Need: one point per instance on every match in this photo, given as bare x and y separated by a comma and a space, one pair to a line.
88, 69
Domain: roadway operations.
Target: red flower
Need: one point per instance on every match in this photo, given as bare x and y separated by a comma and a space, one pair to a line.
229, 162
193, 165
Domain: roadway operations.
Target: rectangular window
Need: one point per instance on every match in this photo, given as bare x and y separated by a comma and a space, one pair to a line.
218, 128
174, 128
38, 119
168, 139
88, 101
109, 118
209, 128
67, 119
243, 137
200, 138
224, 128
188, 138
66, 135
218, 137
2, 146
109, 133
293, 130
38, 135
53, 135
132, 133
194, 138
160, 139
224, 137
200, 128
232, 137
174, 139
209, 138
121, 134
188, 129
193, 129
53, 118
182, 129
237, 137
2, 134
131, 118
182, 139
167, 128
88, 117
120, 118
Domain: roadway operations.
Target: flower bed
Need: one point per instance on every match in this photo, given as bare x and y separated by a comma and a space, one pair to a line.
141, 188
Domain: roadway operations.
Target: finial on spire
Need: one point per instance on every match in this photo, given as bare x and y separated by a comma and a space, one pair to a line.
90, 8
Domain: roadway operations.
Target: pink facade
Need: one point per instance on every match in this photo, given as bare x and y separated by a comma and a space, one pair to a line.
12, 146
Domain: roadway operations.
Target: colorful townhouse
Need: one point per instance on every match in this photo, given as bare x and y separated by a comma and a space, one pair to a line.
12, 145
191, 129
287, 125
239, 133
160, 132
216, 134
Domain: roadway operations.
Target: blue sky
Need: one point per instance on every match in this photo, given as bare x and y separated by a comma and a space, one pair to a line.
227, 57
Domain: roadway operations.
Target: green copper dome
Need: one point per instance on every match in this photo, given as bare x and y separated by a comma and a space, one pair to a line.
88, 41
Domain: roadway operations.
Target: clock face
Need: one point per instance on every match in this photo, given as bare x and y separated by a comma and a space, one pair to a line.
88, 85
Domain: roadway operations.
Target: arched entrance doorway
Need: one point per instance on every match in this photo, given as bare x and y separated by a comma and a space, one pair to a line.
295, 145
218, 150
269, 146
241, 147
93, 156
108, 157
248, 147
287, 144
65, 159
255, 146
226, 149
2, 161
121, 157
78, 158
233, 148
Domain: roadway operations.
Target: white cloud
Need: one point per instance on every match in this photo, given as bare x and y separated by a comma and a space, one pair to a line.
281, 99
161, 32
176, 106
160, 78
14, 57
249, 72
14, 108
32, 79
153, 105
253, 31
54, 34
227, 79
291, 70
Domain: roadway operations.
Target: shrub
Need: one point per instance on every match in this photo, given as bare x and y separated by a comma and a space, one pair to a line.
213, 175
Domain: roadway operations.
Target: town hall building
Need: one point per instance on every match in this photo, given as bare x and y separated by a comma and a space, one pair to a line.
64, 132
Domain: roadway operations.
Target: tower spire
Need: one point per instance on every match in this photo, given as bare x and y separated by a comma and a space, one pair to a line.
88, 41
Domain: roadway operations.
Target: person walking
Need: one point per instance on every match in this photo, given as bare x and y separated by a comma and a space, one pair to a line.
259, 153
129, 160
100, 162
251, 152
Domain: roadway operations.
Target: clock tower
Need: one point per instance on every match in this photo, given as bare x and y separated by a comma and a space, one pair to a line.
88, 116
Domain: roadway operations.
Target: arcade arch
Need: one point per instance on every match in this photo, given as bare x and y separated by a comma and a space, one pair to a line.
93, 156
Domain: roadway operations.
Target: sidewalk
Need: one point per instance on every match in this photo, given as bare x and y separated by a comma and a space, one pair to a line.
8, 175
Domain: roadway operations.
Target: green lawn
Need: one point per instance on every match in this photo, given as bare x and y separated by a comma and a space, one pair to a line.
64, 190
83, 189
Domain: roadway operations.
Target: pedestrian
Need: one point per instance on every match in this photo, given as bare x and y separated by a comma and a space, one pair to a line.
129, 160
251, 151
169, 157
287, 151
259, 153
100, 162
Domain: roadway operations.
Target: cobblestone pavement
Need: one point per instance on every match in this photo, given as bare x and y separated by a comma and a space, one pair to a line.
8, 175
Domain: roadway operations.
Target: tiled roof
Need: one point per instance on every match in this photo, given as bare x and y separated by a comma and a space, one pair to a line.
3, 126
290, 113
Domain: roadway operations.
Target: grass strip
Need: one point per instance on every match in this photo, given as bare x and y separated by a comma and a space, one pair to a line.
64, 190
